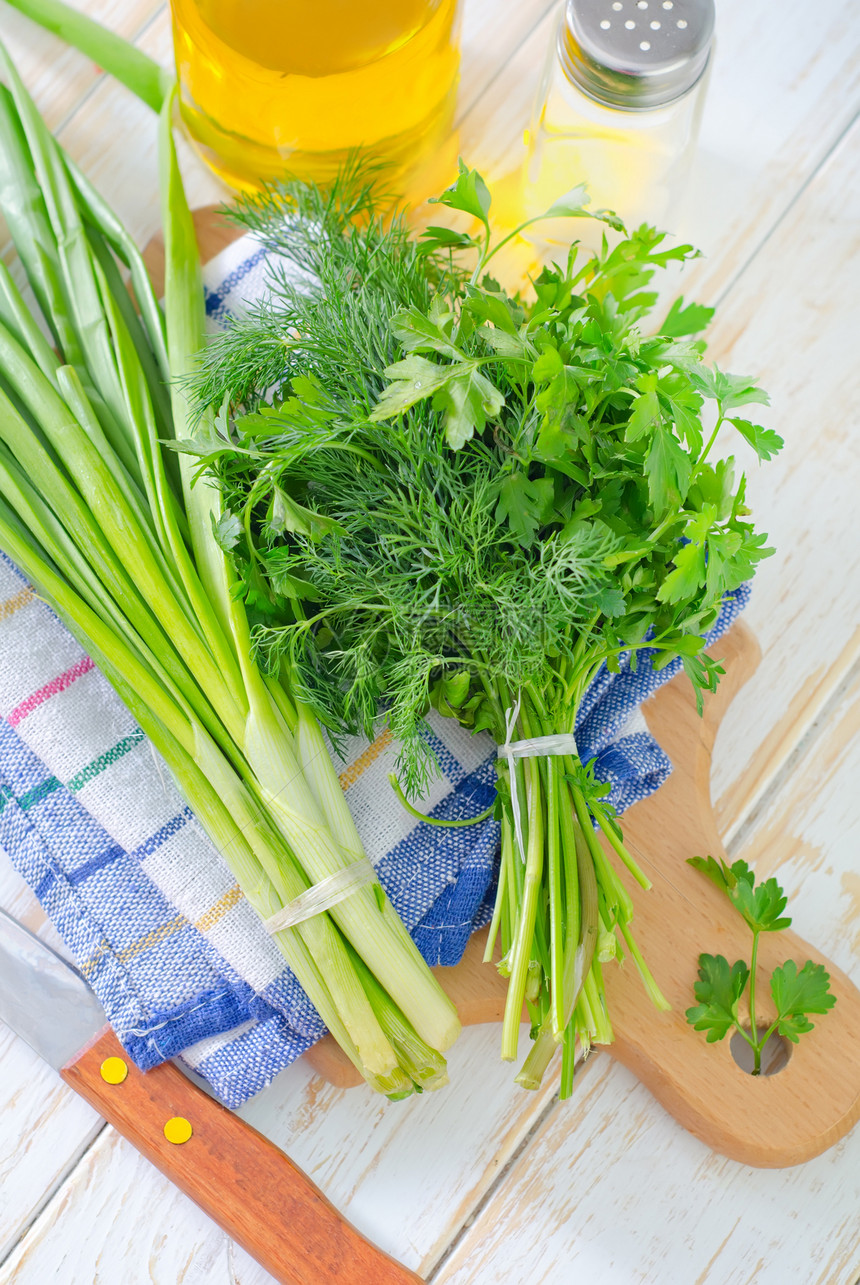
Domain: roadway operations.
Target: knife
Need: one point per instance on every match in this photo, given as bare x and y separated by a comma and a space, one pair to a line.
237, 1176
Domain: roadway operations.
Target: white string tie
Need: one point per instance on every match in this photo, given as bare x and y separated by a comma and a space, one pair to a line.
530, 747
322, 896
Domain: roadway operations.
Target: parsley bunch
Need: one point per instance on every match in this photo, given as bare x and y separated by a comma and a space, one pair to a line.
795, 992
441, 493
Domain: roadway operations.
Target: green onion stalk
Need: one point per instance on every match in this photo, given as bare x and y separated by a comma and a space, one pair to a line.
107, 522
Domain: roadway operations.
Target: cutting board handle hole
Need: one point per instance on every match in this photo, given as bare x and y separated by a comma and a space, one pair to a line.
775, 1055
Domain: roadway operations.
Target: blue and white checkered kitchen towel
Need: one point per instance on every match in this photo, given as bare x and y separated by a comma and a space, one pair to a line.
93, 821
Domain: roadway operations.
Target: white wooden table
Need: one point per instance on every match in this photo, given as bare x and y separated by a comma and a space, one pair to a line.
485, 1183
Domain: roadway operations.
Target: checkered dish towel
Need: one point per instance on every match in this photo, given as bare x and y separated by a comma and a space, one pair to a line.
92, 820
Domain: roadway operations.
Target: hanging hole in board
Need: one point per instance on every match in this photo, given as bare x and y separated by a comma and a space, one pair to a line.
775, 1055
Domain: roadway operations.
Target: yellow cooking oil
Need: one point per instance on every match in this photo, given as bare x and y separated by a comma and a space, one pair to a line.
270, 87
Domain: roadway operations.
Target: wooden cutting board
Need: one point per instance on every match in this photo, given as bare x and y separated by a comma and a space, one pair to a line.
774, 1120
769, 1121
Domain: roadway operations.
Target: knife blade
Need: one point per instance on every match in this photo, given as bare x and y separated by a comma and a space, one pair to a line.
235, 1174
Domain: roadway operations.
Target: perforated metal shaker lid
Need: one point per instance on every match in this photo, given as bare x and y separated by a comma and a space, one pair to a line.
636, 54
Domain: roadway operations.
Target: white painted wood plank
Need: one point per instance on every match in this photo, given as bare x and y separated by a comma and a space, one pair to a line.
492, 34
44, 1128
808, 834
121, 1221
612, 1186
793, 320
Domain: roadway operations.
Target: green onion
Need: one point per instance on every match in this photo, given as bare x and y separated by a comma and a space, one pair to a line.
107, 521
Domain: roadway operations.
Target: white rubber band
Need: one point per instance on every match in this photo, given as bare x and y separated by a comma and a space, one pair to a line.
322, 896
531, 747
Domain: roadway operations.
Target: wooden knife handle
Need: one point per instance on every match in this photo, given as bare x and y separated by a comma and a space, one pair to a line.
238, 1177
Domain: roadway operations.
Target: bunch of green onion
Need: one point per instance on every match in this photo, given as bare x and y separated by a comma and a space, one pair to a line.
101, 515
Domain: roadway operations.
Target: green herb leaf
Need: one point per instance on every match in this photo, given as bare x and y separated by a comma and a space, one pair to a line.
228, 530
644, 416
688, 575
721, 875
413, 379
419, 332
668, 469
493, 307
686, 320
469, 193
524, 504
611, 603
436, 238
718, 990
797, 993
764, 441
286, 515
467, 400
760, 904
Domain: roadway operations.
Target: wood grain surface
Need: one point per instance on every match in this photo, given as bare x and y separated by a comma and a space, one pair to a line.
486, 1184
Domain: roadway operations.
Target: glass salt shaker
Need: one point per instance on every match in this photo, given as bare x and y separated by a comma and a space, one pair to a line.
619, 108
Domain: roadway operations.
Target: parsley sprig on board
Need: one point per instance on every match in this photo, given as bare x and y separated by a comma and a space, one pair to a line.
442, 493
796, 992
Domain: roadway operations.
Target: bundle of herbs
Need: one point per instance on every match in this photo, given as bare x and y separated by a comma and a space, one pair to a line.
439, 493
99, 512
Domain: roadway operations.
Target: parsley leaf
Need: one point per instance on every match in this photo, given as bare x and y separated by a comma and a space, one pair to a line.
760, 904
467, 399
689, 320
764, 441
718, 990
524, 504
644, 416
436, 238
468, 193
689, 573
412, 380
227, 530
668, 469
797, 993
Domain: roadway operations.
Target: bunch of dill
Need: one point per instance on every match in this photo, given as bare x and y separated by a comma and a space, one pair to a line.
437, 492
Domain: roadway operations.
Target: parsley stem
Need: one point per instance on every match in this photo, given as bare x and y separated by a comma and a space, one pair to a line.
700, 461
489, 254
756, 1043
742, 1032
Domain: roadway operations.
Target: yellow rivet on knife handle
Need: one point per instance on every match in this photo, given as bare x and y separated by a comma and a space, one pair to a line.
114, 1070
178, 1130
